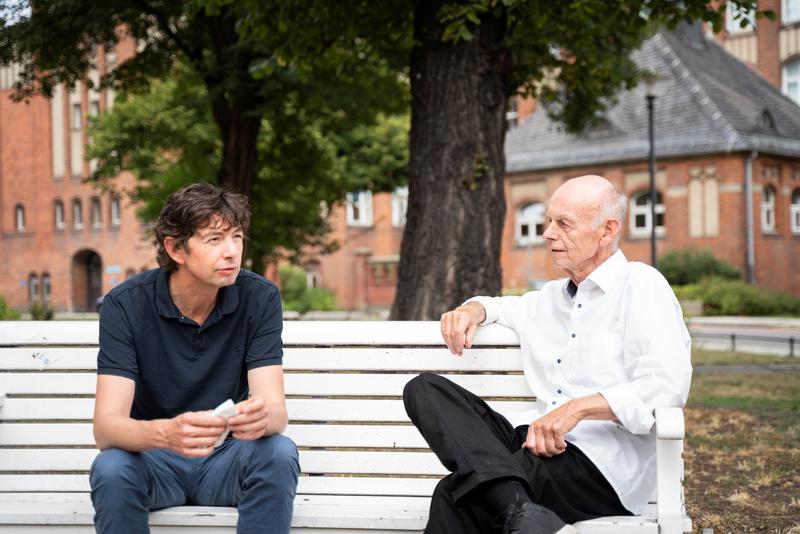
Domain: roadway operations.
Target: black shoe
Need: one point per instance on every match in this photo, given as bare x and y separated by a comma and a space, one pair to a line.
530, 518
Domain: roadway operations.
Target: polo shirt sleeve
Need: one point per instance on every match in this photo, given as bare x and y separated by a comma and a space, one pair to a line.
265, 347
656, 350
117, 355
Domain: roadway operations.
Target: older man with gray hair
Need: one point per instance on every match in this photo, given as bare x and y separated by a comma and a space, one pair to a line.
600, 349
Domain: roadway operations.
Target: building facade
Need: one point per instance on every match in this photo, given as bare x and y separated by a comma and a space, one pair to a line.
62, 241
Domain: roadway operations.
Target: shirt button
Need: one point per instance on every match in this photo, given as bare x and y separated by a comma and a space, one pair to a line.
558, 391
580, 305
554, 403
558, 360
573, 335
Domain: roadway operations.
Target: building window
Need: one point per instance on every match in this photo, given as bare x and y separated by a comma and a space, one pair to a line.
641, 214
33, 287
790, 11
97, 221
77, 214
76, 117
58, 207
791, 80
738, 19
46, 289
115, 211
795, 211
359, 208
399, 206
94, 108
703, 207
768, 209
530, 224
19, 218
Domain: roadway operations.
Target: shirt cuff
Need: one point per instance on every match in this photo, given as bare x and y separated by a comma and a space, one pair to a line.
632, 413
490, 307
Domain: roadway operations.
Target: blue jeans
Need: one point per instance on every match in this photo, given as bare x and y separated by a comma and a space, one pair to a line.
258, 477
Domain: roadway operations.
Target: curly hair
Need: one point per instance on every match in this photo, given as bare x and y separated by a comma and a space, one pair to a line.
192, 207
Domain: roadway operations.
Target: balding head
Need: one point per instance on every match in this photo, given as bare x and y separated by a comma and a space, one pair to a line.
596, 194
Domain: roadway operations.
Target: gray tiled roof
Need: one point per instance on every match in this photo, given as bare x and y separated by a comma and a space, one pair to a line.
713, 103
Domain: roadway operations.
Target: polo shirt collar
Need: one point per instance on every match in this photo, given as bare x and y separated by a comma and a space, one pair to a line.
227, 299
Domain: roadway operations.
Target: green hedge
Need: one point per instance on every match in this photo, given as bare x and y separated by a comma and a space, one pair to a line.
296, 294
690, 266
6, 313
734, 297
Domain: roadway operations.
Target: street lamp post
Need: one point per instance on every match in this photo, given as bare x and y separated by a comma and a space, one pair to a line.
652, 167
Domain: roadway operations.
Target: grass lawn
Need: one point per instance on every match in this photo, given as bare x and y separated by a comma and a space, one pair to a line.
743, 447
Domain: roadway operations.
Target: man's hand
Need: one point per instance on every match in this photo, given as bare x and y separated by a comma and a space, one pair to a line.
459, 325
546, 434
252, 420
193, 433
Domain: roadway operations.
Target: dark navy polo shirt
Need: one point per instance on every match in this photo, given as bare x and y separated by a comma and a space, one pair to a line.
178, 365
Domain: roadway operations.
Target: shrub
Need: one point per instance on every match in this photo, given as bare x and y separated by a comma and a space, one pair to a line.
296, 294
41, 311
734, 297
689, 266
6, 313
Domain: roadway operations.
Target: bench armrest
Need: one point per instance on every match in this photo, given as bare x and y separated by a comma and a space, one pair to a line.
669, 469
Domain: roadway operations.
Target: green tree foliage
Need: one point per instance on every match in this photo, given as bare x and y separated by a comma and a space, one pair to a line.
297, 296
689, 266
166, 137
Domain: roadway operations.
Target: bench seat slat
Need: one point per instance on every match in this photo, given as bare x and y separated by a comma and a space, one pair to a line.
415, 359
311, 435
296, 384
387, 410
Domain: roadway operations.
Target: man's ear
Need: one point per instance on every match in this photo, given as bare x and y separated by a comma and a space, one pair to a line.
611, 228
175, 251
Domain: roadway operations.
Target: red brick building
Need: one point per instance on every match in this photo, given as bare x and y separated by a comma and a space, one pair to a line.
62, 241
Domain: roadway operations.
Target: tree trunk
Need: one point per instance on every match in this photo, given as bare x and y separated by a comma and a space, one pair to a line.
456, 208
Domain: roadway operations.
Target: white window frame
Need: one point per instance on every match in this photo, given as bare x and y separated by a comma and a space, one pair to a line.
359, 208
790, 82
115, 209
77, 116
768, 208
786, 16
33, 287
19, 217
732, 19
795, 212
77, 214
96, 213
46, 287
644, 210
526, 220
58, 215
399, 206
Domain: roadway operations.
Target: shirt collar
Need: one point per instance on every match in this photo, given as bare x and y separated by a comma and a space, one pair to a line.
608, 271
227, 298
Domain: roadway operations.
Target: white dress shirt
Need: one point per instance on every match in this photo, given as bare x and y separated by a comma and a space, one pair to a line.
622, 335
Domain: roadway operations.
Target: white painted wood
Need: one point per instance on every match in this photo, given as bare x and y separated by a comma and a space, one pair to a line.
368, 410
341, 384
415, 359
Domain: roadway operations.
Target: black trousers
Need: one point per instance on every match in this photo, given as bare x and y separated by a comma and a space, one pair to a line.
478, 445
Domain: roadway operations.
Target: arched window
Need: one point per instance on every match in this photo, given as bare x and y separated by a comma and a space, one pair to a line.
115, 211
19, 217
768, 209
359, 208
97, 220
790, 11
530, 224
795, 211
790, 80
46, 288
58, 215
399, 206
33, 287
641, 215
77, 214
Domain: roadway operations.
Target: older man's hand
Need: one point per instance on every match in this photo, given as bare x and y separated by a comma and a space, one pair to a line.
459, 325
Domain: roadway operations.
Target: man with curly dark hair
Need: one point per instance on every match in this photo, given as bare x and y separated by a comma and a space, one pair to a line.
175, 342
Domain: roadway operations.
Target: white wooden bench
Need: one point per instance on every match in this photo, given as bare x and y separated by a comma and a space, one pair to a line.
364, 467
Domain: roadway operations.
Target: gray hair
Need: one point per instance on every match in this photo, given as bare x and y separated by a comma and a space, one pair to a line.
613, 205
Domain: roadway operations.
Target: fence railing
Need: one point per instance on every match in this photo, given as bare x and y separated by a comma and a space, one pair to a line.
765, 344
